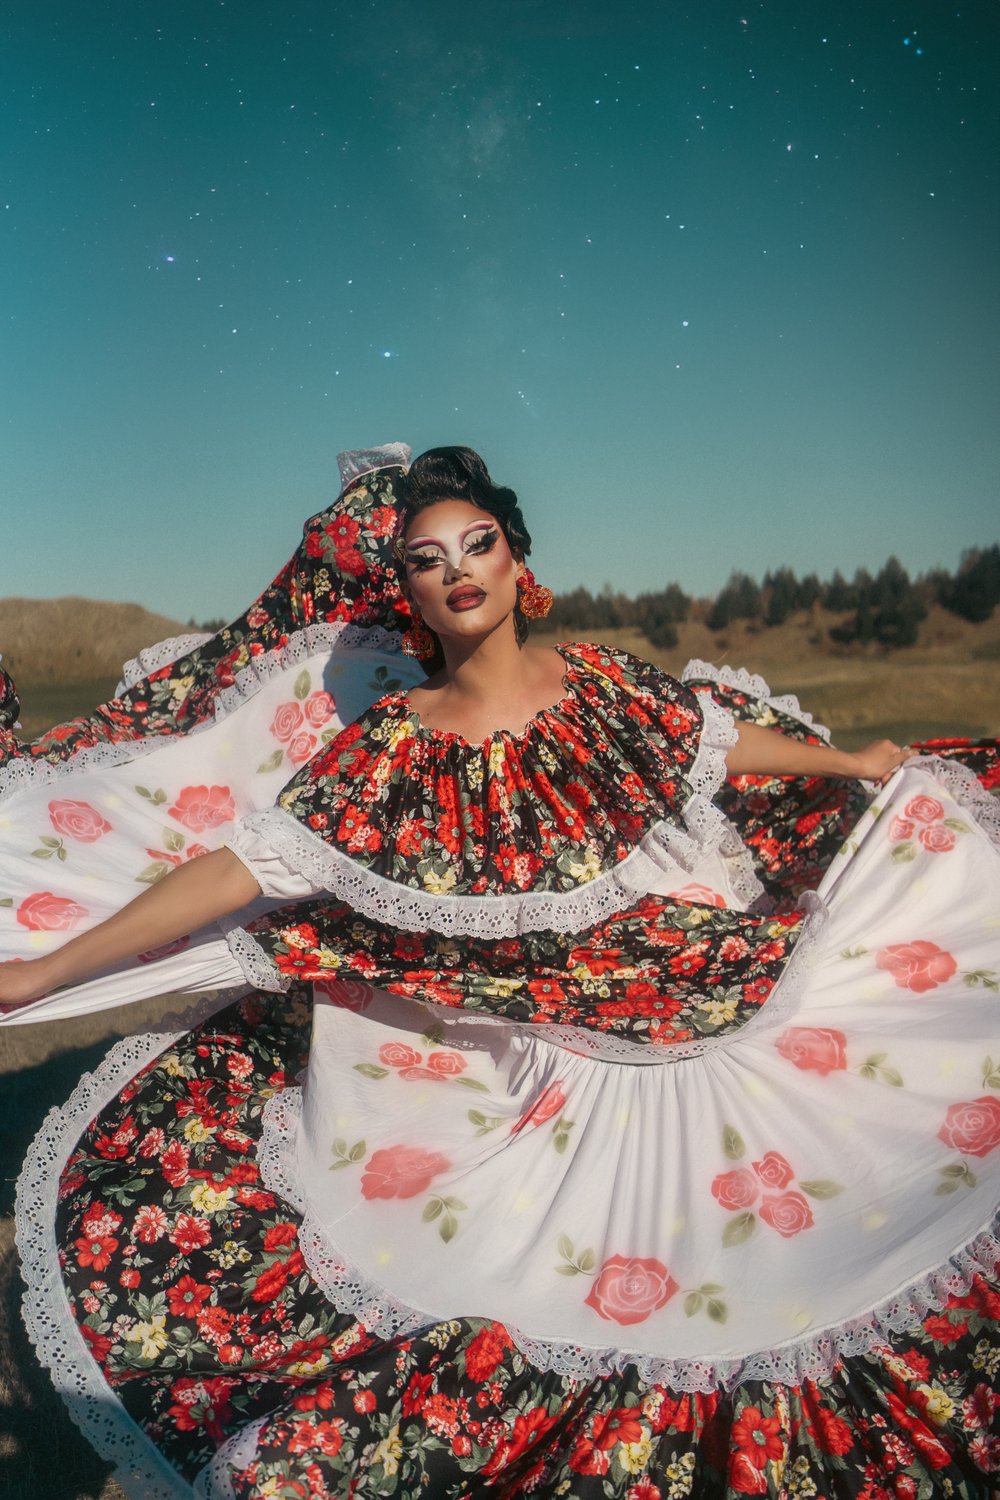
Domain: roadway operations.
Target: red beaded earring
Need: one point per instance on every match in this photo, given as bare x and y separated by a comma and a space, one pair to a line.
418, 641
534, 600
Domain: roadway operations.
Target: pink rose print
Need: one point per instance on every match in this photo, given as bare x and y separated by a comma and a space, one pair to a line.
549, 1102
399, 1055
44, 912
816, 1049
627, 1289
447, 1064
918, 966
201, 807
924, 809
789, 1214
736, 1189
937, 838
401, 1171
773, 1170
78, 820
348, 993
701, 893
287, 718
901, 828
301, 747
972, 1127
318, 708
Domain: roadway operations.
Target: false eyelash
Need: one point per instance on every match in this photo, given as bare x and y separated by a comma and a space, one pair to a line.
424, 560
484, 542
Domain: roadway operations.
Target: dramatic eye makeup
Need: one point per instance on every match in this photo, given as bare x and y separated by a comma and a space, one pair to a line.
476, 540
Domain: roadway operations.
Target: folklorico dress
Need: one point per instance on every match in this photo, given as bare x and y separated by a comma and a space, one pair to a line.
585, 1124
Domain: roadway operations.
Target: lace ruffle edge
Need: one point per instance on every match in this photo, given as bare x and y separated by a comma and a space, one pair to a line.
967, 790
755, 687
665, 848
58, 1342
152, 658
810, 1358
307, 642
354, 462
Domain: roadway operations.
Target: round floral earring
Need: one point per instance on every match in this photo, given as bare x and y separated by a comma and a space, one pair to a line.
418, 641
534, 600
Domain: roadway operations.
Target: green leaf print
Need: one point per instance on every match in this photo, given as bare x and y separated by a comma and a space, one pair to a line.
154, 872
821, 1187
733, 1145
173, 841
991, 1070
903, 854
302, 685
739, 1229
272, 762
157, 798
347, 1156
370, 1070
7, 901
573, 1264
956, 1175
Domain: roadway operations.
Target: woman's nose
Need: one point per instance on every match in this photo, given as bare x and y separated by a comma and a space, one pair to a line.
455, 567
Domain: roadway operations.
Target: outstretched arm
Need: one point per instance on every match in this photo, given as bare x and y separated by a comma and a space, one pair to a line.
191, 895
766, 752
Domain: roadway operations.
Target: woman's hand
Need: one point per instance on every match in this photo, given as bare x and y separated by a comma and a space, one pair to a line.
880, 760
21, 981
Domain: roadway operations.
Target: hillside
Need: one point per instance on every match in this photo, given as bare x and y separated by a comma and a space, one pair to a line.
66, 654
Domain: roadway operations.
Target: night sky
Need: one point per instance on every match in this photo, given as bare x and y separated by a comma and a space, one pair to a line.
711, 285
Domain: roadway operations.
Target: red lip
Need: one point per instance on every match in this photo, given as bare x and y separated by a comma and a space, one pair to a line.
464, 598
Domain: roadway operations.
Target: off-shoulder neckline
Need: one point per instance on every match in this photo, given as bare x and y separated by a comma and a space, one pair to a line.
450, 736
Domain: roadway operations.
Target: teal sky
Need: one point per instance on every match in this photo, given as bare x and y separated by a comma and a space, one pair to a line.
711, 285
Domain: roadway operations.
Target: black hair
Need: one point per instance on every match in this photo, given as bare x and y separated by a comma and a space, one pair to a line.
460, 474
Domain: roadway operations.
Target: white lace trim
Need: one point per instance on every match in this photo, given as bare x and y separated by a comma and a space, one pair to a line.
755, 687
258, 966
307, 642
967, 790
92, 1404
238, 1452
151, 658
358, 1295
354, 462
664, 849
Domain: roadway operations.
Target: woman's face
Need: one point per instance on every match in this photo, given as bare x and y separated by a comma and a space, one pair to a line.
460, 572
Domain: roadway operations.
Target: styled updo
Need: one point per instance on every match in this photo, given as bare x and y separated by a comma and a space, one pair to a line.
460, 474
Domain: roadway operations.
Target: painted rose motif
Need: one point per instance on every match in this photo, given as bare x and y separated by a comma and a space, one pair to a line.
549, 1102
736, 1189
78, 820
401, 1171
901, 828
700, 893
399, 1055
817, 1049
348, 993
287, 719
773, 1170
973, 1126
201, 807
924, 809
301, 747
446, 1064
318, 708
44, 912
937, 838
628, 1290
918, 966
789, 1214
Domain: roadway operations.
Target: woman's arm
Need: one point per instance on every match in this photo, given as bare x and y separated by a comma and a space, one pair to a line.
190, 896
766, 752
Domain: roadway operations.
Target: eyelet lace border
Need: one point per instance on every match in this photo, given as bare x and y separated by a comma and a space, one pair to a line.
755, 687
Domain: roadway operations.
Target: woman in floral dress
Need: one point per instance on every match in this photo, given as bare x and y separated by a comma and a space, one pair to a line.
648, 1132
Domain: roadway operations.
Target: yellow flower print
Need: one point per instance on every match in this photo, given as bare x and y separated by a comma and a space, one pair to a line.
209, 1200
152, 1336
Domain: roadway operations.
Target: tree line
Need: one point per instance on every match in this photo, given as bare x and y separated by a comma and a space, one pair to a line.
886, 608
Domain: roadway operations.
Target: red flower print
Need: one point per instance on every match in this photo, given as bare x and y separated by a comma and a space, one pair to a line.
736, 1189
918, 966
972, 1127
744, 1476
95, 1250
700, 893
301, 747
287, 718
78, 820
174, 1164
549, 1102
628, 1290
201, 807
733, 948
399, 1055
190, 1233
485, 1354
318, 708
901, 828
757, 1437
98, 1343
644, 1490
44, 912
420, 1387
343, 533
186, 1297
622, 1425
924, 809
937, 838
833, 1434
150, 1223
279, 1235
789, 1214
364, 1401
773, 1170
447, 1064
401, 1171
814, 1048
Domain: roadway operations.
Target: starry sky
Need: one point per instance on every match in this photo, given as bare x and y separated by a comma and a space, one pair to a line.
711, 285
